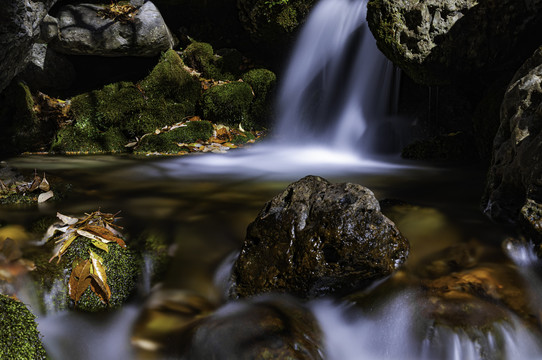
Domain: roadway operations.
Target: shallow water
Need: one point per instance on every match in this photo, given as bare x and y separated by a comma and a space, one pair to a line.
204, 205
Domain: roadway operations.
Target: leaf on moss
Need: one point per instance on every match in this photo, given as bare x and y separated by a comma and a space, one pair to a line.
101, 288
79, 280
103, 234
64, 241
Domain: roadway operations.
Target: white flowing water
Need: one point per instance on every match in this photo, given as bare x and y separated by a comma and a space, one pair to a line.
339, 90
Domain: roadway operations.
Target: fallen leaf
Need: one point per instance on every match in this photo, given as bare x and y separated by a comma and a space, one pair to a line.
44, 185
45, 196
35, 183
99, 276
68, 220
100, 245
79, 280
65, 241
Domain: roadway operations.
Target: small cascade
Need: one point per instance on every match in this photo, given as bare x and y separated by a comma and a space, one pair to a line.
338, 86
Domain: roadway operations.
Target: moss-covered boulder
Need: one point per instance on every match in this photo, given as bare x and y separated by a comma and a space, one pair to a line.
19, 336
225, 64
85, 137
167, 142
315, 239
22, 130
54, 280
263, 83
104, 119
228, 104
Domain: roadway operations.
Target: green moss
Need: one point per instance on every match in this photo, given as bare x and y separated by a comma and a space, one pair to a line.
227, 104
105, 118
123, 267
243, 139
169, 80
167, 142
263, 84
19, 336
84, 137
200, 56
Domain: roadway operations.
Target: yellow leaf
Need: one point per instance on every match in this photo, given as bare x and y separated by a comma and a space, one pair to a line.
99, 276
100, 245
65, 239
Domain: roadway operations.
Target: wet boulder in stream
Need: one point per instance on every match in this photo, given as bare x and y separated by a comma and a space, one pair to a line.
318, 238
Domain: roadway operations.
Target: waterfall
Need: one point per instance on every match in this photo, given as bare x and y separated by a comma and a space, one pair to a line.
338, 86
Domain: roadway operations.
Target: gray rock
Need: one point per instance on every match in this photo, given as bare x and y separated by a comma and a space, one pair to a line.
82, 31
318, 238
434, 41
19, 28
47, 70
515, 175
48, 29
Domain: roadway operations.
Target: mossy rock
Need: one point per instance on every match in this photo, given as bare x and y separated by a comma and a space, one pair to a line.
170, 80
105, 118
122, 266
227, 104
84, 137
263, 83
167, 142
225, 65
21, 128
19, 336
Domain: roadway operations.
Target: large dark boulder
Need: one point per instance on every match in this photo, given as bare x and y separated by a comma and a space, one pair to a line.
86, 29
19, 28
436, 41
318, 238
514, 179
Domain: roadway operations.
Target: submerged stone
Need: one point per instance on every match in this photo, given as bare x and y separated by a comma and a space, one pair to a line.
260, 328
318, 238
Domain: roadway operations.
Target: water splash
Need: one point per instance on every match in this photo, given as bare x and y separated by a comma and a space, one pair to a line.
337, 88
396, 331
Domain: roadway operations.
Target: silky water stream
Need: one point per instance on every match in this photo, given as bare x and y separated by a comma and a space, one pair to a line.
335, 98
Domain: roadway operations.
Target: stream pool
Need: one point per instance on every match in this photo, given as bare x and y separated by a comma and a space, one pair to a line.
204, 203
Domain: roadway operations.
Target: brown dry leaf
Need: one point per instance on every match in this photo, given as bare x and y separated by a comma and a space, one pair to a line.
100, 278
102, 233
44, 185
79, 280
35, 183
